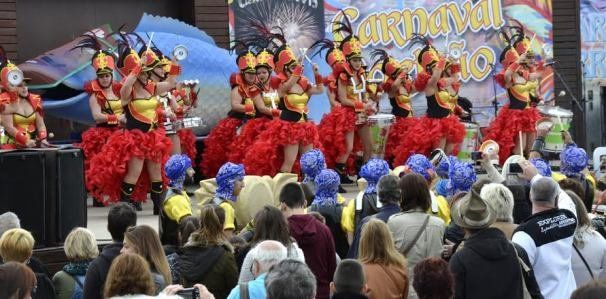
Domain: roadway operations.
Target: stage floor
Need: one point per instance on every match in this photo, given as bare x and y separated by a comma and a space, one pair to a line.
97, 216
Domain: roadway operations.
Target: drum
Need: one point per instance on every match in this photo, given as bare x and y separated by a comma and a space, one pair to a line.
470, 142
188, 123
379, 130
561, 119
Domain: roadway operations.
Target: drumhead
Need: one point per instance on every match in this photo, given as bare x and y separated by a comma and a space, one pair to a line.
555, 111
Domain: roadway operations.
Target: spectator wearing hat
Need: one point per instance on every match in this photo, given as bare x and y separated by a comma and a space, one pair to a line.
120, 217
459, 177
389, 197
487, 266
417, 234
547, 237
230, 181
176, 205
421, 165
325, 202
366, 203
313, 237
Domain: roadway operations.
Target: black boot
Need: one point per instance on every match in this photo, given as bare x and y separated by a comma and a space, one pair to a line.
340, 169
156, 196
126, 196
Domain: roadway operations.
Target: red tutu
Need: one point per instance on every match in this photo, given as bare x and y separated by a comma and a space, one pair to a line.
266, 155
425, 135
93, 141
188, 143
249, 133
108, 167
505, 127
217, 145
398, 133
332, 130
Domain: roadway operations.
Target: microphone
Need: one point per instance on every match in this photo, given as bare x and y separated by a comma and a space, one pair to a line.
562, 93
550, 63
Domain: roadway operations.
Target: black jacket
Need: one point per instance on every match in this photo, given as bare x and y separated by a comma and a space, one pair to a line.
97, 271
213, 266
487, 267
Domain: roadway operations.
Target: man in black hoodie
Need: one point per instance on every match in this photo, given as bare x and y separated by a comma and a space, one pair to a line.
119, 218
313, 237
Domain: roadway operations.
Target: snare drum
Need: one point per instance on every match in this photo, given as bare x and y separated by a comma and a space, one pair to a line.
470, 142
561, 119
379, 130
188, 123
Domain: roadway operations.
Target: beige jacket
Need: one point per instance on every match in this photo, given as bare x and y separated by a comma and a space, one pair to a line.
404, 227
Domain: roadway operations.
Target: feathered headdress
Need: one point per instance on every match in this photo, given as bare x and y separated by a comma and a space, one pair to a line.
350, 46
103, 61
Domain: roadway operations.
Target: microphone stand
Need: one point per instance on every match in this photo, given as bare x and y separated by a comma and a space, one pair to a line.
572, 96
495, 103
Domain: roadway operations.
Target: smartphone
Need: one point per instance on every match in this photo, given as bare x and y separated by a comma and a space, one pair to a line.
189, 293
515, 168
476, 156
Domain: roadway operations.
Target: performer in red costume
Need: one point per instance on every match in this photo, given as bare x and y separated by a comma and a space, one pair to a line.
336, 60
218, 144
266, 107
277, 147
520, 79
340, 126
22, 114
399, 86
440, 127
104, 103
119, 167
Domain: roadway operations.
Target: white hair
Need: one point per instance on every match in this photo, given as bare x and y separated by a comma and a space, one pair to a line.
500, 200
9, 220
269, 253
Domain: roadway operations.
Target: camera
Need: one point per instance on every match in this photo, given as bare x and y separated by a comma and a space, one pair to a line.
515, 168
476, 156
192, 293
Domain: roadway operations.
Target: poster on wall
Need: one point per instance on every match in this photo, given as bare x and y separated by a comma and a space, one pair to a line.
593, 39
466, 29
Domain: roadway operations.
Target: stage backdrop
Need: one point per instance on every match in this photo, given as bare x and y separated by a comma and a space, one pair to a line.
466, 29
593, 59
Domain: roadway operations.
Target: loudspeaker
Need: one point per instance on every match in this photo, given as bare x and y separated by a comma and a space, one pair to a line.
23, 191
71, 192
45, 188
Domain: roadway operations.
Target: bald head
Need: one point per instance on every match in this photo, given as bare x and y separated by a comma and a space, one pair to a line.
267, 254
544, 190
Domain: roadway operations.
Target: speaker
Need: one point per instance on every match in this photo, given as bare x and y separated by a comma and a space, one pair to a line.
71, 192
23, 191
45, 188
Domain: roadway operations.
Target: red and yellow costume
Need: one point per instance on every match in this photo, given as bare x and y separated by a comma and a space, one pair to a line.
217, 145
400, 101
342, 119
519, 115
24, 124
441, 120
143, 138
254, 127
266, 155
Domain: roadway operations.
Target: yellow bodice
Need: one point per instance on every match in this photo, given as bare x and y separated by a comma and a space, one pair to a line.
352, 96
28, 123
446, 100
115, 106
297, 103
145, 108
522, 91
267, 100
404, 101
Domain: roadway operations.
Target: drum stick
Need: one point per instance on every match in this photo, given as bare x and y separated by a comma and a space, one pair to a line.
150, 40
521, 144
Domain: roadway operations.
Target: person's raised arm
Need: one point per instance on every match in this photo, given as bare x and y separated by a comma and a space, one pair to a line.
435, 76
318, 87
291, 81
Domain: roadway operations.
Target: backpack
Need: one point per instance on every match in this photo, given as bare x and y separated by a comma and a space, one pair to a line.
78, 287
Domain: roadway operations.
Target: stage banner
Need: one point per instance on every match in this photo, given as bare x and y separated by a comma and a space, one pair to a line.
463, 29
593, 36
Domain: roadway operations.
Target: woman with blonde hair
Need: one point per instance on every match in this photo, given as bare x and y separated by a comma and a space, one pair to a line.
80, 248
129, 274
207, 257
384, 267
143, 240
17, 245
